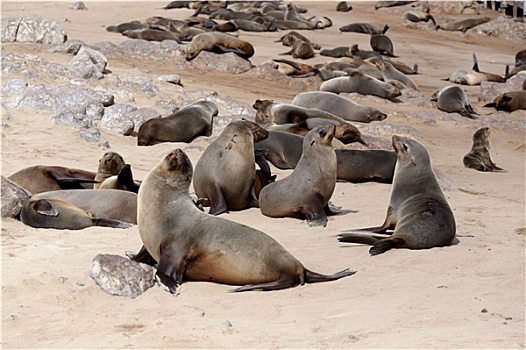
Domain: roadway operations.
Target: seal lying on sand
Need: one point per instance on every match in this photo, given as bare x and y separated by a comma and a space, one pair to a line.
509, 101
478, 158
42, 178
418, 211
362, 84
190, 245
453, 99
219, 43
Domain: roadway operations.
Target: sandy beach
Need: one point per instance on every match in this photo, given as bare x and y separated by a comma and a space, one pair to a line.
467, 295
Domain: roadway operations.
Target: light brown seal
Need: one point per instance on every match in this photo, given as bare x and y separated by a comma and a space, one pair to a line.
338, 105
219, 43
362, 84
42, 178
57, 214
453, 99
185, 125
509, 101
225, 172
293, 69
301, 49
109, 168
151, 34
306, 192
463, 25
290, 38
479, 158
382, 43
418, 211
389, 72
419, 16
364, 28
190, 245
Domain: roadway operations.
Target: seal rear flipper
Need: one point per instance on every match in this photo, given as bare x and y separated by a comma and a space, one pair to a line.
277, 160
385, 244
217, 200
475, 63
111, 223
223, 49
279, 284
143, 256
490, 105
314, 277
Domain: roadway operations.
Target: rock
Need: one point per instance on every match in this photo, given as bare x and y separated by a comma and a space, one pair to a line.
141, 115
170, 78
9, 27
70, 46
228, 62
489, 90
79, 5
13, 197
504, 28
74, 119
88, 63
90, 135
35, 30
118, 275
116, 119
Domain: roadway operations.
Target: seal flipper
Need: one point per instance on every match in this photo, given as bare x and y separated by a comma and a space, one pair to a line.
277, 160
171, 267
217, 201
111, 223
385, 244
143, 256
223, 49
359, 238
125, 179
314, 212
279, 284
314, 277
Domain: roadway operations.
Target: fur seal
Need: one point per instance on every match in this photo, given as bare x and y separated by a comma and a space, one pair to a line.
464, 24
151, 34
382, 43
293, 69
283, 113
475, 77
110, 204
190, 245
57, 214
509, 101
306, 192
301, 49
225, 172
418, 16
337, 52
290, 38
389, 72
364, 28
364, 54
282, 149
453, 99
185, 125
42, 178
362, 84
418, 211
219, 43
338, 105
478, 158
343, 6
381, 4
109, 168
355, 165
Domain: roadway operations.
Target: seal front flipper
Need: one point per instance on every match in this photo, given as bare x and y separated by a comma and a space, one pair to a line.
143, 256
279, 284
315, 215
125, 179
172, 266
224, 49
385, 244
111, 223
217, 201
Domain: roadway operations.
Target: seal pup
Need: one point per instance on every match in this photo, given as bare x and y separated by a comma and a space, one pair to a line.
306, 192
110, 204
185, 241
509, 101
363, 54
219, 43
453, 99
364, 28
185, 125
478, 158
418, 211
463, 25
362, 84
520, 62
225, 172
110, 165
122, 181
61, 215
151, 34
338, 105
382, 43
42, 178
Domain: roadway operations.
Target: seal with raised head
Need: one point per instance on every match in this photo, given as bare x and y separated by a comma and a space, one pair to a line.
306, 192
389, 72
190, 245
219, 43
509, 101
418, 211
362, 84
225, 172
185, 125
479, 158
57, 214
109, 168
453, 99
338, 105
42, 178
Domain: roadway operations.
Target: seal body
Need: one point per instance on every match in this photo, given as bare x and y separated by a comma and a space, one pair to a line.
219, 43
509, 101
479, 158
418, 211
362, 84
190, 245
464, 24
306, 192
184, 125
225, 172
453, 99
364, 28
42, 178
358, 166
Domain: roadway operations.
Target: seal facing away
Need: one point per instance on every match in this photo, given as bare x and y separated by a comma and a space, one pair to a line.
190, 245
185, 125
478, 158
509, 101
54, 213
418, 211
219, 43
225, 172
453, 99
306, 192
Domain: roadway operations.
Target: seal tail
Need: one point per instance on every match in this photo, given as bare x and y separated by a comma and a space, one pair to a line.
314, 277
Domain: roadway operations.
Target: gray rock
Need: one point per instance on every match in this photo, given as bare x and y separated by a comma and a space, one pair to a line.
117, 120
75, 119
489, 90
88, 63
34, 29
70, 46
90, 135
228, 62
9, 27
13, 197
79, 5
227, 105
118, 275
141, 115
504, 28
170, 78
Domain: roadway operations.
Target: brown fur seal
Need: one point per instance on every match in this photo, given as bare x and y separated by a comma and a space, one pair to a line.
290, 38
382, 4
338, 105
219, 43
185, 125
283, 113
478, 158
306, 192
190, 245
363, 54
282, 149
110, 165
389, 72
382, 43
151, 34
293, 69
509, 101
57, 214
453, 99
337, 52
362, 84
301, 49
364, 28
110, 204
343, 6
42, 178
418, 211
418, 16
464, 24
225, 173
355, 165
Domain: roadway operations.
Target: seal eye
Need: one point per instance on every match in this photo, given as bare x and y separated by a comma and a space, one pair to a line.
323, 133
405, 147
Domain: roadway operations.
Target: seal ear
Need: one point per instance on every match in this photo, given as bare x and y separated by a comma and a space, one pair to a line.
45, 207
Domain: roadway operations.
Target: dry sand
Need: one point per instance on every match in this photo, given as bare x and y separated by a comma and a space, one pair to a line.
469, 295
